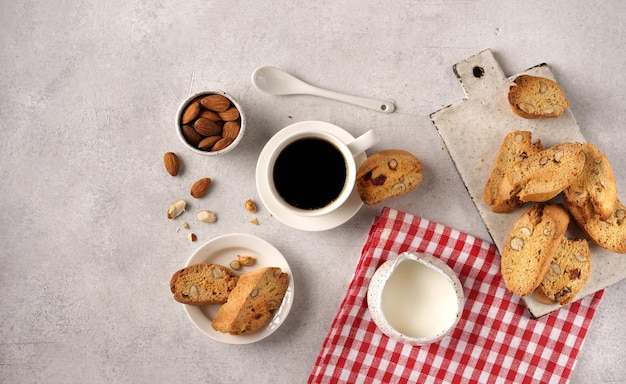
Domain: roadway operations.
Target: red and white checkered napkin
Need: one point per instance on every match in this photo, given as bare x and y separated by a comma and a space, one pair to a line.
495, 341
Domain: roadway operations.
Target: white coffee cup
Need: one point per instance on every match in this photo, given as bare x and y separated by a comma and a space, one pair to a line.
311, 172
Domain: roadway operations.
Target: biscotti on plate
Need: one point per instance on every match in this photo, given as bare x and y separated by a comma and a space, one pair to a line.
252, 303
516, 146
388, 174
543, 175
531, 245
534, 97
569, 271
202, 284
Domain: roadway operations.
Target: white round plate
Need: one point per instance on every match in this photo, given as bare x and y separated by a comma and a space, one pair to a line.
306, 223
222, 250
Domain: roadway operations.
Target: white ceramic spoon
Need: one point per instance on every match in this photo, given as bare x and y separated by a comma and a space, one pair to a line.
277, 82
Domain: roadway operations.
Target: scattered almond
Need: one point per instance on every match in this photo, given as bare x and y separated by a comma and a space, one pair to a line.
207, 217
176, 209
172, 165
246, 260
250, 206
254, 221
192, 237
235, 265
200, 187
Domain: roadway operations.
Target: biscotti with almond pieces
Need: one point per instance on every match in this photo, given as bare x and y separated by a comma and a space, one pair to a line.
595, 187
531, 245
543, 175
252, 303
534, 97
516, 146
569, 271
204, 283
387, 174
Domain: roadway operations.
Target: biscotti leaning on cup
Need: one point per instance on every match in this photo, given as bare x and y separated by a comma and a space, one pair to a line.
387, 174
533, 97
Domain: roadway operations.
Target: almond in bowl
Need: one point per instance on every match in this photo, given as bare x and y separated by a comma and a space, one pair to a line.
210, 123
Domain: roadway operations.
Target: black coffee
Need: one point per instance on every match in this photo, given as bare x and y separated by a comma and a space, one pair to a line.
309, 173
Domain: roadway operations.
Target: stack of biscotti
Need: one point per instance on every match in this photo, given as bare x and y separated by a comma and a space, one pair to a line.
554, 268
248, 300
525, 173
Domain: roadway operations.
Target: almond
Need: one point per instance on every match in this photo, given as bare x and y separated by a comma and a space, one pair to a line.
191, 135
222, 143
200, 187
208, 142
209, 115
230, 114
231, 129
171, 162
191, 112
216, 103
206, 127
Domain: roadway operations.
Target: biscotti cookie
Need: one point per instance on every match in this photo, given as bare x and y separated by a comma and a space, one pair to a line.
534, 97
595, 187
388, 174
569, 271
516, 146
531, 245
609, 234
543, 175
202, 284
252, 303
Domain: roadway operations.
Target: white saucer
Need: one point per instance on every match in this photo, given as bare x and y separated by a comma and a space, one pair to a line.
222, 250
310, 223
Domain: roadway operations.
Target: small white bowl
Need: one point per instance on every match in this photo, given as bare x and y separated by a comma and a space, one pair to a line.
198, 96
415, 298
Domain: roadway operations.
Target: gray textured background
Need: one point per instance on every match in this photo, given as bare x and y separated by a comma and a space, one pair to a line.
89, 94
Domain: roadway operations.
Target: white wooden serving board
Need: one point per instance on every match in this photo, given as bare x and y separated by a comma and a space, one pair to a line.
473, 130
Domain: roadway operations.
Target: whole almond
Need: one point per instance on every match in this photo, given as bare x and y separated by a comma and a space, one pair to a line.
231, 129
229, 115
209, 115
200, 187
208, 142
191, 135
191, 112
206, 127
216, 103
222, 143
171, 162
